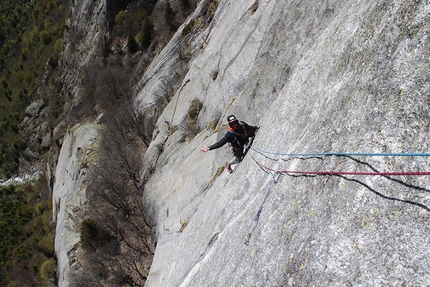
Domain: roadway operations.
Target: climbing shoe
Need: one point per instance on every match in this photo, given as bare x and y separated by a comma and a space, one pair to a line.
228, 167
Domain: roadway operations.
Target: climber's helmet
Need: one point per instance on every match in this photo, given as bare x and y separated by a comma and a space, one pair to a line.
232, 120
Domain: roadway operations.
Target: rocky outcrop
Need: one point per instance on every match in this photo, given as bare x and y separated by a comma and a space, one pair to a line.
69, 196
85, 34
318, 76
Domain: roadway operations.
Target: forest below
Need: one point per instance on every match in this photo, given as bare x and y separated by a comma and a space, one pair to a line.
32, 40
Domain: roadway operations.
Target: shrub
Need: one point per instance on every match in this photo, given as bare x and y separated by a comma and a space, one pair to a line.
45, 37
169, 17
55, 104
40, 207
46, 245
132, 45
172, 130
215, 74
48, 269
89, 233
27, 78
194, 110
58, 46
192, 126
120, 19
145, 36
254, 7
217, 174
188, 28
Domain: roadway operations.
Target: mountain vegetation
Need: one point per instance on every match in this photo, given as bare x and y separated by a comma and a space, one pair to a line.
26, 235
31, 40
116, 241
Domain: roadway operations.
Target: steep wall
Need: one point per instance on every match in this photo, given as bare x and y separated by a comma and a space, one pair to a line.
86, 30
318, 76
69, 196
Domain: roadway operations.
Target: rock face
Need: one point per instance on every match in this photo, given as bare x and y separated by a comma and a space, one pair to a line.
319, 76
69, 195
87, 28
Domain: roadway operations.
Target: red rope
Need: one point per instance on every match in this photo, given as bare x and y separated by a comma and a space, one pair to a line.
381, 173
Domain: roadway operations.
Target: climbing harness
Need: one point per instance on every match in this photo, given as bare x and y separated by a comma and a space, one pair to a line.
247, 148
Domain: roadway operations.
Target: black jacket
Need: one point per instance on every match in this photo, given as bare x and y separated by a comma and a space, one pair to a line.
238, 137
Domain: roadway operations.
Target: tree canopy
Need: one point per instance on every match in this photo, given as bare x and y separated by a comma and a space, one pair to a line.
30, 37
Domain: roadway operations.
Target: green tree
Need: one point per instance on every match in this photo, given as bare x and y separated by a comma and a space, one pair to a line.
185, 4
169, 17
48, 269
120, 22
30, 36
132, 45
45, 37
146, 32
89, 234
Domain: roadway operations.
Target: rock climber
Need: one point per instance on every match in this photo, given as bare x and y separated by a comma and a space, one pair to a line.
237, 137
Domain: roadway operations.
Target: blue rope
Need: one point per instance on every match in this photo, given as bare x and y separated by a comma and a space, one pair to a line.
343, 153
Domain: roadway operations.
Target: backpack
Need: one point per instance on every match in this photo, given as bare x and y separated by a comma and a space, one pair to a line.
248, 133
241, 139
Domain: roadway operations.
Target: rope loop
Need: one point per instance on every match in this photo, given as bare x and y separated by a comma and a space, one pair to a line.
340, 153
276, 173
370, 173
